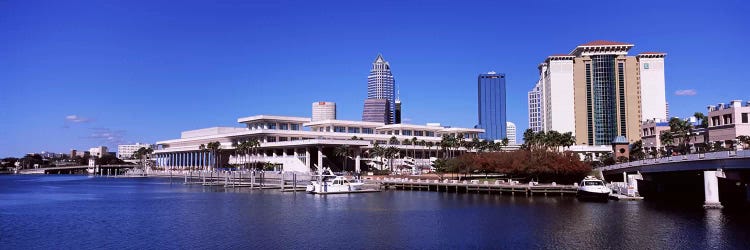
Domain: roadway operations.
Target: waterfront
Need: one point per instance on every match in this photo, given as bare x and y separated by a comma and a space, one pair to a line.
63, 212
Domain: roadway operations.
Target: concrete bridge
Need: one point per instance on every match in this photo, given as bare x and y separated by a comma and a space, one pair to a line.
80, 169
726, 173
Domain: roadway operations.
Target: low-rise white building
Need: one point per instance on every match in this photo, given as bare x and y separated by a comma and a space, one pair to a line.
510, 132
98, 152
302, 145
126, 151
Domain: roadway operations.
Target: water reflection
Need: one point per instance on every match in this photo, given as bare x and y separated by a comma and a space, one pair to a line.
152, 213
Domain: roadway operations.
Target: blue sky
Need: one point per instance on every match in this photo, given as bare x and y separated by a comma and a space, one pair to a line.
76, 74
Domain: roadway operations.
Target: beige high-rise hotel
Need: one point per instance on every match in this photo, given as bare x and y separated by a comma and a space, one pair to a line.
599, 92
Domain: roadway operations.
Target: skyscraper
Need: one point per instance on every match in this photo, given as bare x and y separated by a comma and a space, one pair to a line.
535, 109
376, 110
381, 85
598, 92
491, 104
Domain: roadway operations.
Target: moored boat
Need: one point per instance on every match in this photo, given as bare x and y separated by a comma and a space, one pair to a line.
593, 188
333, 184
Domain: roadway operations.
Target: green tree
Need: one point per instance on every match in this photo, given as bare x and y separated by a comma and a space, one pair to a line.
390, 153
393, 140
215, 149
344, 152
142, 154
666, 138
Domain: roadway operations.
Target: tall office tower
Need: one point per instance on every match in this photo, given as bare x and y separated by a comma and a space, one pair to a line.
381, 85
598, 92
491, 104
511, 133
607, 93
397, 113
323, 111
535, 109
376, 110
653, 95
556, 80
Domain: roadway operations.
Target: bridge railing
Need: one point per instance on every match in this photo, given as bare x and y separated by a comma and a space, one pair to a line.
680, 158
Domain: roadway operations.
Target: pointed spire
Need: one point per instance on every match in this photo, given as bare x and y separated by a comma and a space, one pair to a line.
379, 59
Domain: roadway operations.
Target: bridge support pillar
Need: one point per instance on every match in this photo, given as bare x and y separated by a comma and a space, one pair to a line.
711, 190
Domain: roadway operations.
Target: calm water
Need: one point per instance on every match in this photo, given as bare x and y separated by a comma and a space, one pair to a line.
74, 212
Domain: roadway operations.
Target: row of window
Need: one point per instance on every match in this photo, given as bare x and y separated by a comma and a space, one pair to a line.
727, 119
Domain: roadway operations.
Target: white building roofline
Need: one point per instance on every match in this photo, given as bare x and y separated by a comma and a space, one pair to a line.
273, 118
343, 122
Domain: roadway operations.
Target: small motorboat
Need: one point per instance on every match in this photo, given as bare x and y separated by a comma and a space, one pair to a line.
333, 184
593, 188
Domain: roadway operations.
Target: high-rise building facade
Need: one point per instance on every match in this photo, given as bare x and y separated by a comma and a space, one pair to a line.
535, 109
511, 133
651, 68
381, 85
491, 104
598, 92
323, 111
376, 110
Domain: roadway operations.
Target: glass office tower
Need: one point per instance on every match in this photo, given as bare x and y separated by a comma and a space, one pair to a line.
381, 85
492, 107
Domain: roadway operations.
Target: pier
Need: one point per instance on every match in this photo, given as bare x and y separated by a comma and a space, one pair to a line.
475, 186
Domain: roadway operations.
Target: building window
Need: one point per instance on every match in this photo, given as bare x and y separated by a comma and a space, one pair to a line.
328, 129
295, 126
339, 129
284, 126
430, 133
406, 132
744, 118
270, 139
283, 139
418, 133
271, 125
727, 119
366, 130
294, 138
353, 130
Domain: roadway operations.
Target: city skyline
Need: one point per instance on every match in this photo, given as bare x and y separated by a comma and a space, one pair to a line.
77, 81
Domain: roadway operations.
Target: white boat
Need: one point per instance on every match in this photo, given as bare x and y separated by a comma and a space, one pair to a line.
333, 184
593, 188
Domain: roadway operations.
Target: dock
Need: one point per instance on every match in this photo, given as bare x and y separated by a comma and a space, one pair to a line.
475, 186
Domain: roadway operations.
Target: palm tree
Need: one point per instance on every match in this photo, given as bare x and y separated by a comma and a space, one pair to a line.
142, 153
528, 138
343, 152
390, 153
377, 151
414, 142
666, 139
568, 139
423, 143
505, 141
704, 125
393, 140
445, 144
203, 149
429, 148
215, 148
